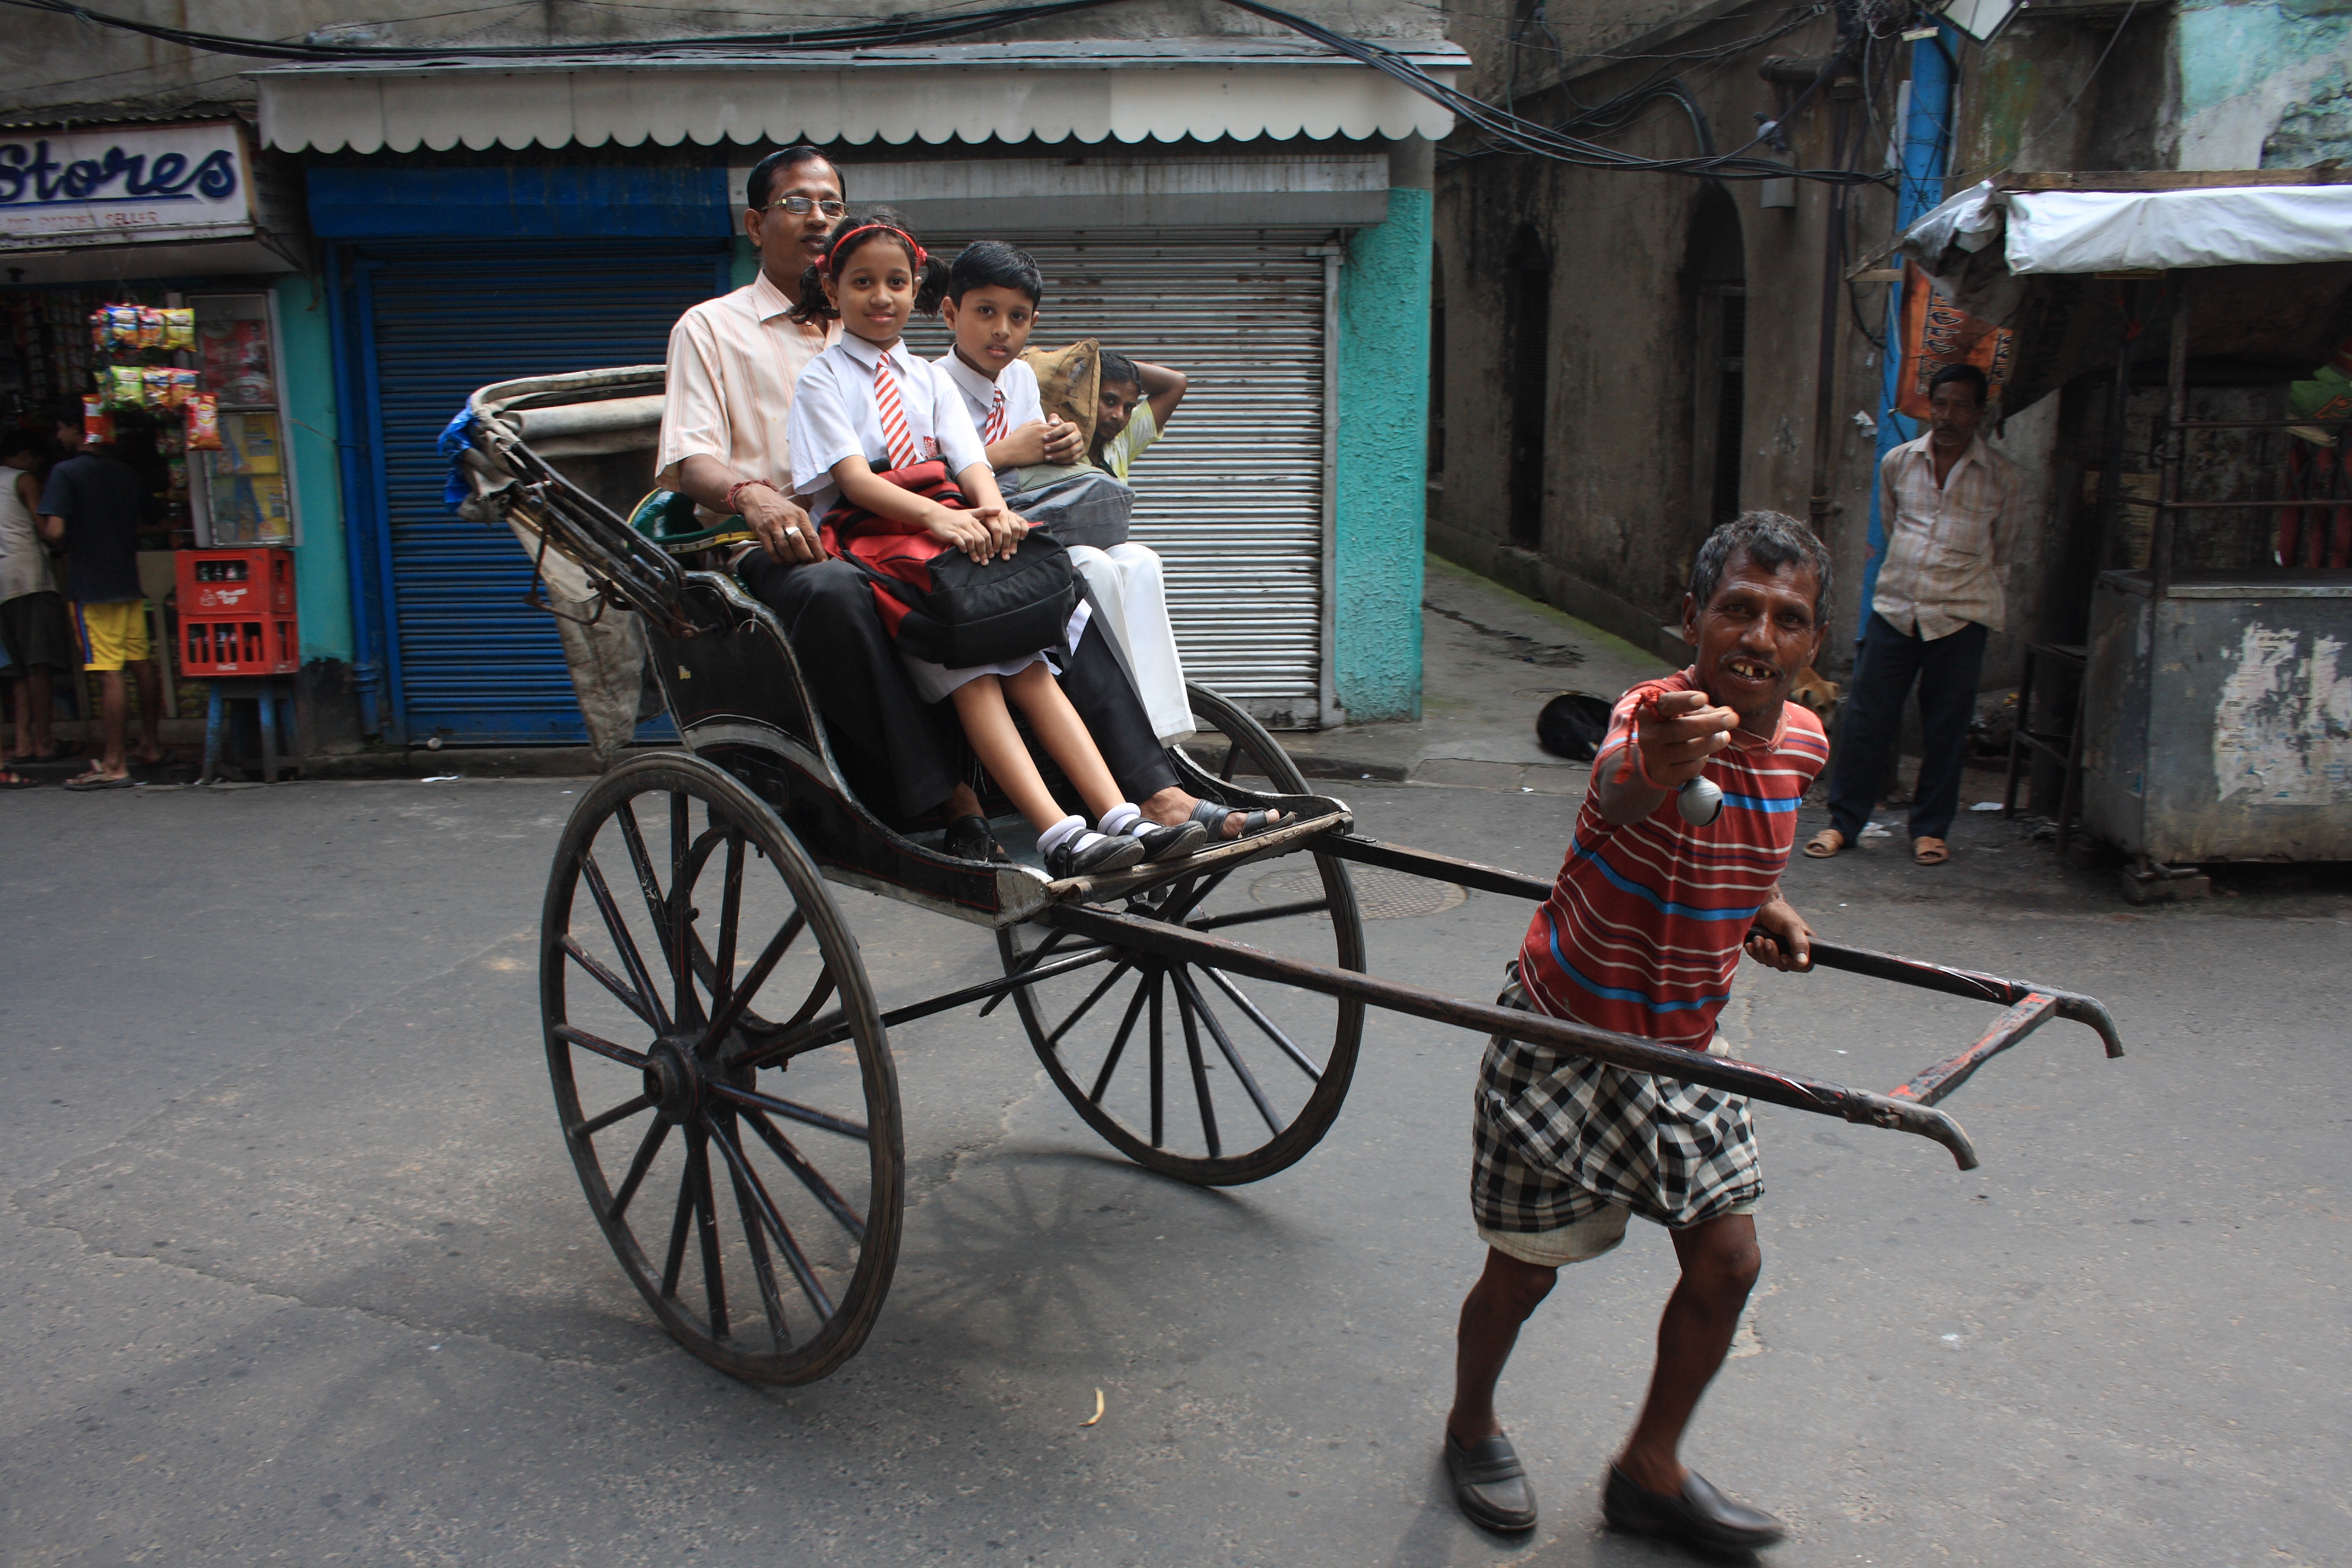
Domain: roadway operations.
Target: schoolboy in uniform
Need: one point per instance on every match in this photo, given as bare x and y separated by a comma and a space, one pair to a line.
1641, 934
994, 293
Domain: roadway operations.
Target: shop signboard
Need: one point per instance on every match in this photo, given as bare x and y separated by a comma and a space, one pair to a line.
66, 189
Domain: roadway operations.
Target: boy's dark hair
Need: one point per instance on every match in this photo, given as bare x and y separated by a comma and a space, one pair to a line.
992, 264
1772, 540
775, 166
1967, 375
875, 225
1118, 370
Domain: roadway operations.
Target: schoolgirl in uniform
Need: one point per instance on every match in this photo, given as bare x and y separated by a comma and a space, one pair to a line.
865, 407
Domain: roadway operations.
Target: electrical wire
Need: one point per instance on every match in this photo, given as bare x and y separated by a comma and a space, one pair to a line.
1503, 129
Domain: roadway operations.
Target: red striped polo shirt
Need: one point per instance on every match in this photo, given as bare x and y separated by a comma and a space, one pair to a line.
1644, 926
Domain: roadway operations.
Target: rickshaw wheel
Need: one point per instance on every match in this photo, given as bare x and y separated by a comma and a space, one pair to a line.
1266, 1058
677, 1092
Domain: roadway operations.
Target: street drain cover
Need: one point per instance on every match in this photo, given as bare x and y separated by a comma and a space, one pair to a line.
1381, 895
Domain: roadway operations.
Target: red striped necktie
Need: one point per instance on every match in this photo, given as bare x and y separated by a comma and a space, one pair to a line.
995, 430
895, 434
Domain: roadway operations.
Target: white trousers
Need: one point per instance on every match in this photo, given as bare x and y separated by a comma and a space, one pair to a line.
1127, 583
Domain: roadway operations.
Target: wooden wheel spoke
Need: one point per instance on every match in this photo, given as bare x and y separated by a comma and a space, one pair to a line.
706, 1228
755, 1238
633, 1000
1232, 755
621, 1113
1265, 1024
731, 914
818, 994
602, 1048
1188, 896
1159, 1077
810, 1176
1088, 1004
1270, 913
656, 906
625, 945
1199, 1004
681, 1223
687, 1007
1118, 1043
1200, 1067
656, 1136
1046, 950
740, 996
801, 1113
794, 1257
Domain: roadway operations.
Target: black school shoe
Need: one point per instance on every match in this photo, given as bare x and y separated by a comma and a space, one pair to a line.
1701, 1516
1169, 843
1108, 852
1490, 1485
968, 838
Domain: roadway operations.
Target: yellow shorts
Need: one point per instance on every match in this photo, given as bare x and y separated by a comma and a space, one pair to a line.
113, 634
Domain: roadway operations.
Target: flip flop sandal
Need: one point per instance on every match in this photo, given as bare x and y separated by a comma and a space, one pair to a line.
91, 782
1210, 814
1824, 843
1929, 852
11, 779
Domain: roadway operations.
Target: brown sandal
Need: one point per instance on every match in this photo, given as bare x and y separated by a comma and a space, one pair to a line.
1825, 843
1929, 852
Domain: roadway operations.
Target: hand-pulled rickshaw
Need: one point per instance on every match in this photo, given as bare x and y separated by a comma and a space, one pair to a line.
720, 1061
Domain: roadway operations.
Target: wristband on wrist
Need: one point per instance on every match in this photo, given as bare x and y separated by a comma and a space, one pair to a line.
735, 491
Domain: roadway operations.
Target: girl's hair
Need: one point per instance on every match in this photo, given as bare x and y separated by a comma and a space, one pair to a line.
872, 226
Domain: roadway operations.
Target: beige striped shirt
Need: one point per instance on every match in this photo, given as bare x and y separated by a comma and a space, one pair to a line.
1945, 543
733, 364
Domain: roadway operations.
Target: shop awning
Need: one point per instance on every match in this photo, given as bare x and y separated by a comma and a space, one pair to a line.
1164, 89
2135, 231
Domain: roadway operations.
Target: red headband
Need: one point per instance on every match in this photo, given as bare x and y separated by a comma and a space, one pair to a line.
842, 246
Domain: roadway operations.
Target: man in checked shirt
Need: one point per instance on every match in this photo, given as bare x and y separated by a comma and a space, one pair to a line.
1949, 505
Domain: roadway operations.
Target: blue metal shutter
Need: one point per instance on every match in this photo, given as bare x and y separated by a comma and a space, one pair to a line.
474, 663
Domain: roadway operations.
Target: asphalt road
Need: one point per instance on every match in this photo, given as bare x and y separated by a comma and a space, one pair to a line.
294, 1268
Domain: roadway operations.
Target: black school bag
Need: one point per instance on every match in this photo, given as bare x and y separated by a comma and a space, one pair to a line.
938, 602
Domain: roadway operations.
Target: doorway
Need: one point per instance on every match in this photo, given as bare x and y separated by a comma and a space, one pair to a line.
1526, 328
1715, 271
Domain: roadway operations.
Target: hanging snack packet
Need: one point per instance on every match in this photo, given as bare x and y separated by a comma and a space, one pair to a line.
150, 327
96, 424
127, 385
179, 327
101, 329
183, 386
122, 326
203, 423
159, 386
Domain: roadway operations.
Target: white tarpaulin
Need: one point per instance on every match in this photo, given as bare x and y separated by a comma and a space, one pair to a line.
2120, 231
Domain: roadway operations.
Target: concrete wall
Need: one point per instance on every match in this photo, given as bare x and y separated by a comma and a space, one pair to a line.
1384, 410
2264, 85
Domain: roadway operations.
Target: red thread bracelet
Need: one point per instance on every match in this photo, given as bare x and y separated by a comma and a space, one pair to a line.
738, 488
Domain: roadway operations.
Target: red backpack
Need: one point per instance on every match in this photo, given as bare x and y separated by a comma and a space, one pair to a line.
938, 602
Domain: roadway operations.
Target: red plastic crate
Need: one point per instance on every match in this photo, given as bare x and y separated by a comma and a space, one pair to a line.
245, 583
236, 644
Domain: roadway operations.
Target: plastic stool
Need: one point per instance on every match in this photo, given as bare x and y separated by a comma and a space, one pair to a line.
273, 701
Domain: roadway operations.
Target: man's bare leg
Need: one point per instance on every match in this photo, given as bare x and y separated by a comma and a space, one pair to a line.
150, 711
1720, 1262
115, 714
1504, 1297
36, 700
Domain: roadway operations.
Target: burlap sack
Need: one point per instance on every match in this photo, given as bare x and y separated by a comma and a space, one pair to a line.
1069, 383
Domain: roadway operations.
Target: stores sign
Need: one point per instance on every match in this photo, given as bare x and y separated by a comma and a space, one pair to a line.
62, 189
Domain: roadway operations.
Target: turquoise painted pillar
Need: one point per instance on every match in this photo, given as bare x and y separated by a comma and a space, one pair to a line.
1381, 485
306, 366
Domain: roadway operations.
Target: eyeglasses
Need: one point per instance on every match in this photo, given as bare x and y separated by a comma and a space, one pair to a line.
800, 206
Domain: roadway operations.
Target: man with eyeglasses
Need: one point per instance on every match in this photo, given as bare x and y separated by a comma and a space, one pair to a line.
733, 361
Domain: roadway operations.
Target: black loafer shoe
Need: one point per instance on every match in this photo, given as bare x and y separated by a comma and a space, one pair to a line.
1490, 1485
1701, 1516
1170, 843
968, 838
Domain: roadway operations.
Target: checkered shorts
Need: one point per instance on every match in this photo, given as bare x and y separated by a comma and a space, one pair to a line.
1557, 1138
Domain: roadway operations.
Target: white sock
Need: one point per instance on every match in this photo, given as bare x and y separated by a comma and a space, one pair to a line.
1061, 833
1124, 818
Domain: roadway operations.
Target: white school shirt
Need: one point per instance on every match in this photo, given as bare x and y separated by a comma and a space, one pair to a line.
834, 417
1022, 402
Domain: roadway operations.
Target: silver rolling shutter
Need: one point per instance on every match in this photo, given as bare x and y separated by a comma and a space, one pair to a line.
1233, 496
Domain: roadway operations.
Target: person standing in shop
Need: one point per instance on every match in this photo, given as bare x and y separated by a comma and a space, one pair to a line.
93, 505
32, 610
